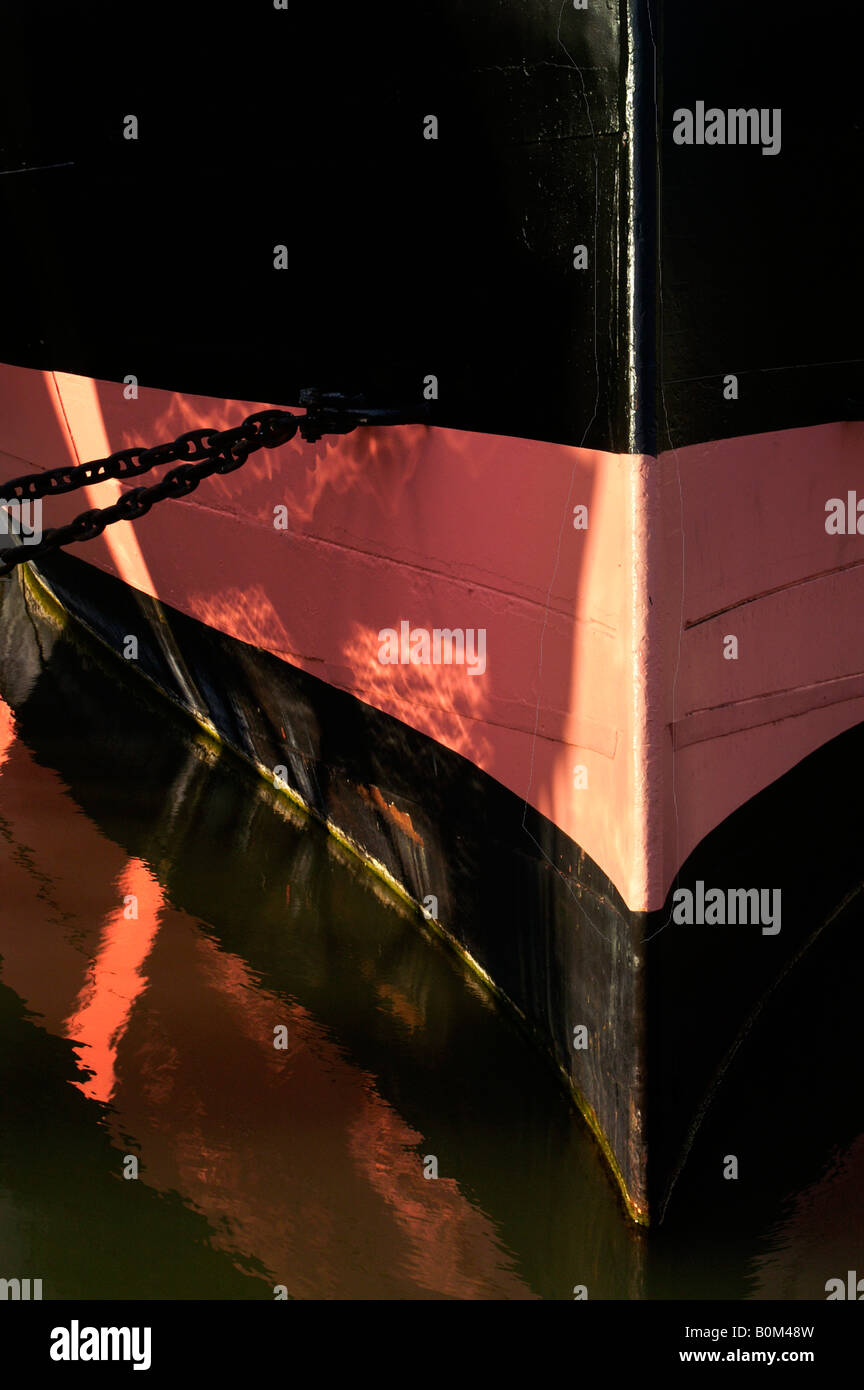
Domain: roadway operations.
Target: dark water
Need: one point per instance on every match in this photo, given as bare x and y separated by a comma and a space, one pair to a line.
151, 1037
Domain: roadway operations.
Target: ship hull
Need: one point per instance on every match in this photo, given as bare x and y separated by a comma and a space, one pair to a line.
641, 411
462, 788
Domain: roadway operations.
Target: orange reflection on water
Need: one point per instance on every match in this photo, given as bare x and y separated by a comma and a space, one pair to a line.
306, 1173
293, 1156
7, 730
115, 979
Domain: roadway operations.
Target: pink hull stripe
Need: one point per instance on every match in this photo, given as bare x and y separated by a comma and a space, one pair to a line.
601, 651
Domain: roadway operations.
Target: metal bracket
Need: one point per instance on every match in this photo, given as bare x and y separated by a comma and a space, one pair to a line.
329, 412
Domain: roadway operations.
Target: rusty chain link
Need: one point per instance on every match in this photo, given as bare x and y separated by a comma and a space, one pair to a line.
201, 452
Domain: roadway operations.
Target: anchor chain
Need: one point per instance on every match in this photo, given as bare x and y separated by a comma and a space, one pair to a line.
201, 453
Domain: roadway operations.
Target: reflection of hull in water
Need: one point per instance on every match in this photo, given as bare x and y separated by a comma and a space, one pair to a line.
285, 1153
208, 1131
